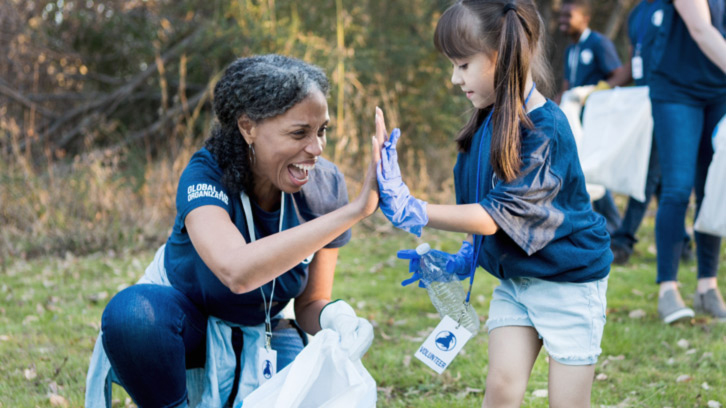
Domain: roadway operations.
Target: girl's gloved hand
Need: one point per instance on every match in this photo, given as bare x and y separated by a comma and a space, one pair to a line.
397, 204
460, 263
356, 333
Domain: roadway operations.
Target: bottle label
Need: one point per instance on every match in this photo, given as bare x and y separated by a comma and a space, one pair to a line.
443, 344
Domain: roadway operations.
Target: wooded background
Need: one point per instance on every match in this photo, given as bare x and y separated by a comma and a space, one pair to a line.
103, 89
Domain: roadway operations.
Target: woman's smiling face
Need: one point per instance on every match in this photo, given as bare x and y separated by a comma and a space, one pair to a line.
287, 146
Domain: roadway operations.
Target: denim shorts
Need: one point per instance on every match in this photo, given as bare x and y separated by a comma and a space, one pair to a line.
568, 317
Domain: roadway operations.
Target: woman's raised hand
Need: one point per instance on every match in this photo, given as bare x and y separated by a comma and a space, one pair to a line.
368, 196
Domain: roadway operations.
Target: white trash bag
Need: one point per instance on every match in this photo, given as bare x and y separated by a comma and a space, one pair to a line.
571, 105
321, 376
617, 137
712, 215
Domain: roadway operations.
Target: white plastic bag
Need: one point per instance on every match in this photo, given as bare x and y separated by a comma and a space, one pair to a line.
322, 376
617, 137
571, 105
712, 215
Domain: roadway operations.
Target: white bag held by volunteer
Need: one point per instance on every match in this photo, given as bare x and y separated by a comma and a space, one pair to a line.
617, 137
322, 376
712, 215
571, 105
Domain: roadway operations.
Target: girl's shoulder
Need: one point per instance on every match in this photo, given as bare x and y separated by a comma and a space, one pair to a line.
551, 129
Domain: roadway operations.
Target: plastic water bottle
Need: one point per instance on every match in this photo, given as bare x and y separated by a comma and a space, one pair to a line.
445, 289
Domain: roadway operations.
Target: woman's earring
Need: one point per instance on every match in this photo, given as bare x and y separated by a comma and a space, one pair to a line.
251, 153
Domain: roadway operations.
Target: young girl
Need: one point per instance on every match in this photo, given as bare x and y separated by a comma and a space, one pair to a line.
521, 197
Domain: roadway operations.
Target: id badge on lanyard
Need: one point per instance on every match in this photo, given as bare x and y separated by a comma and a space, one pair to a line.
266, 356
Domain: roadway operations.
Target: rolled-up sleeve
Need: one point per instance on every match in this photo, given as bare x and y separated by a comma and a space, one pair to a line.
524, 207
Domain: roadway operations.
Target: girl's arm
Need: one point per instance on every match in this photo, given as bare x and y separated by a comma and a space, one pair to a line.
697, 16
243, 266
467, 218
317, 293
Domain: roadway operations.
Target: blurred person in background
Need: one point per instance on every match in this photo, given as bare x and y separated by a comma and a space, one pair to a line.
591, 59
644, 22
688, 94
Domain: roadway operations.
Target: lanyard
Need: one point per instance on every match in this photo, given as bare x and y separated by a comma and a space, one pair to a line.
573, 59
251, 229
645, 14
479, 238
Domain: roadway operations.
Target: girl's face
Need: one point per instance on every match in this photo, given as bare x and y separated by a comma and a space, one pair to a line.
287, 146
475, 76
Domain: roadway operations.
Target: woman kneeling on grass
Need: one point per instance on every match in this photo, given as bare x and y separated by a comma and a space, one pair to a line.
260, 218
521, 197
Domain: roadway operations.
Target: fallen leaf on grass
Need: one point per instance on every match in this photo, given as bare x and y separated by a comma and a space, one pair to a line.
58, 401
683, 343
30, 373
713, 404
637, 314
384, 335
683, 378
705, 386
4, 337
636, 292
539, 393
406, 361
601, 377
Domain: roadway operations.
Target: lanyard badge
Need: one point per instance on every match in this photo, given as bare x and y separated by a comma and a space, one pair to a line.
266, 356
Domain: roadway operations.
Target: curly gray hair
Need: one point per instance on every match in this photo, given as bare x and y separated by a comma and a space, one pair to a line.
260, 87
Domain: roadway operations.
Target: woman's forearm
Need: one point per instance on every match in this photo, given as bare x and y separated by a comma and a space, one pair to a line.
243, 266
697, 17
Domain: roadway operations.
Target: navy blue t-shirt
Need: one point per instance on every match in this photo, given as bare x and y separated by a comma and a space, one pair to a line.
682, 73
592, 60
200, 184
547, 228
643, 24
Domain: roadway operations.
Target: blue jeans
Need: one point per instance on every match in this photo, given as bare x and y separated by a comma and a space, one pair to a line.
153, 333
683, 137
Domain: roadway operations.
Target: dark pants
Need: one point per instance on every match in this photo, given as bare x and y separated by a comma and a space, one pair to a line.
153, 333
606, 206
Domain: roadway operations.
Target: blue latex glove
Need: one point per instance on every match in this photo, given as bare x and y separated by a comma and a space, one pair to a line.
397, 204
461, 262
414, 266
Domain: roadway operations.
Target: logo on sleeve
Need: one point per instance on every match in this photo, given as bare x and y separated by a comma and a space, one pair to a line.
205, 190
657, 18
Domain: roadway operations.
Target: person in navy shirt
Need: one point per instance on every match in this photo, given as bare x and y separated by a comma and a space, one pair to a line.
591, 59
260, 218
688, 95
521, 200
644, 22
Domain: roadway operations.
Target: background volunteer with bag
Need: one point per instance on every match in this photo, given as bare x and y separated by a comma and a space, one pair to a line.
688, 94
260, 218
521, 197
644, 22
590, 60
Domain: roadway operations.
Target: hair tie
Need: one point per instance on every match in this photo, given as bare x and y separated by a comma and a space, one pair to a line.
509, 6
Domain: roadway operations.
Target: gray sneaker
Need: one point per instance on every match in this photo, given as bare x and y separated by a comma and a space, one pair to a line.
671, 307
711, 303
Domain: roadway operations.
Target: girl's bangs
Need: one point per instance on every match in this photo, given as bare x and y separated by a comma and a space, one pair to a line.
457, 35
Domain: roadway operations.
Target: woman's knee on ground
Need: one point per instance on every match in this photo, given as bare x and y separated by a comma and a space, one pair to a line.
132, 316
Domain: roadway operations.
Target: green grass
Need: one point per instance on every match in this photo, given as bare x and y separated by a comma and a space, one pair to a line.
50, 312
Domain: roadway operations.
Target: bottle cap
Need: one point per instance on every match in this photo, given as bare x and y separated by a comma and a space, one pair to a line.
423, 248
